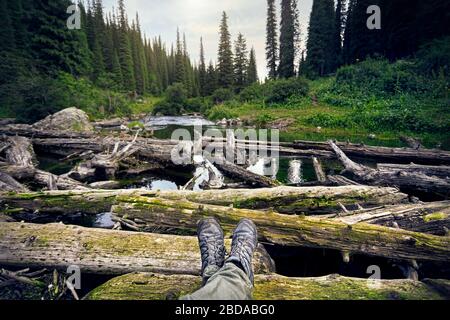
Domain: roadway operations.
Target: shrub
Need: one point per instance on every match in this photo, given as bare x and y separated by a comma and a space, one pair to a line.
379, 77
281, 90
176, 94
434, 58
200, 105
220, 112
174, 102
253, 93
222, 95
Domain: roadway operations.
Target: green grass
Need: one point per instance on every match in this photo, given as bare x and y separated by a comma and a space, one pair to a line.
357, 114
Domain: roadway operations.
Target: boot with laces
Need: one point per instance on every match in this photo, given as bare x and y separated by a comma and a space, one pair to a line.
245, 241
212, 247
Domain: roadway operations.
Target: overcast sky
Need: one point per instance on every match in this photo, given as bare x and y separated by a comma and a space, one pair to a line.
201, 18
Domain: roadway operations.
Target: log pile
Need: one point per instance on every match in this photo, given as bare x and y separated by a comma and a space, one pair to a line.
364, 211
104, 252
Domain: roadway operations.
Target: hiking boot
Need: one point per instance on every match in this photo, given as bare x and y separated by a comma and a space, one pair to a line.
212, 247
245, 241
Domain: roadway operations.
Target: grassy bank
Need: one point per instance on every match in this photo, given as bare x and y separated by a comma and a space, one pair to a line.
373, 102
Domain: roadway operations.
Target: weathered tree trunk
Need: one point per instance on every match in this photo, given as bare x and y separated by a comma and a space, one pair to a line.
9, 184
442, 172
314, 200
287, 230
104, 251
103, 166
255, 180
321, 177
20, 152
298, 148
422, 156
20, 165
404, 180
146, 286
431, 217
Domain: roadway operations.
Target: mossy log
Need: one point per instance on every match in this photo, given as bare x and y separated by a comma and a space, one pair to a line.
147, 286
104, 251
305, 200
433, 217
405, 180
182, 215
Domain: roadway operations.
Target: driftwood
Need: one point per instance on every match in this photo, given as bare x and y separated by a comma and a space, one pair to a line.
103, 166
288, 230
422, 156
406, 181
104, 251
442, 172
298, 148
314, 200
431, 217
147, 286
321, 177
20, 165
8, 183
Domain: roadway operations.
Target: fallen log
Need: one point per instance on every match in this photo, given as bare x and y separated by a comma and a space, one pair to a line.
407, 155
105, 252
147, 286
8, 183
290, 200
287, 229
442, 172
21, 161
304, 148
433, 218
321, 177
406, 181
103, 165
255, 180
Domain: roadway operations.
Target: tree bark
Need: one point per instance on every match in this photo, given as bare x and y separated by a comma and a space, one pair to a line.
104, 251
290, 200
146, 286
433, 218
442, 172
321, 177
406, 181
287, 230
422, 156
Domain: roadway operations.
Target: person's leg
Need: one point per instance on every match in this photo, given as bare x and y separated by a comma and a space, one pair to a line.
235, 280
229, 283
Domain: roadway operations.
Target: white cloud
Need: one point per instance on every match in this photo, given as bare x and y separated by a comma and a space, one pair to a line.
201, 18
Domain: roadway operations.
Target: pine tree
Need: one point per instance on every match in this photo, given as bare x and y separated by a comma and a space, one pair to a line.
202, 70
211, 80
240, 62
338, 28
320, 59
288, 36
18, 23
125, 56
54, 47
272, 40
252, 70
180, 72
225, 55
7, 37
139, 62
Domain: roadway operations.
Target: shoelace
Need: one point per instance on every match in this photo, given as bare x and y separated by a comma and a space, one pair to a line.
209, 246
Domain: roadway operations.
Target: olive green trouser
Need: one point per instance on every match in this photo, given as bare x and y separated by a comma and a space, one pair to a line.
228, 283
